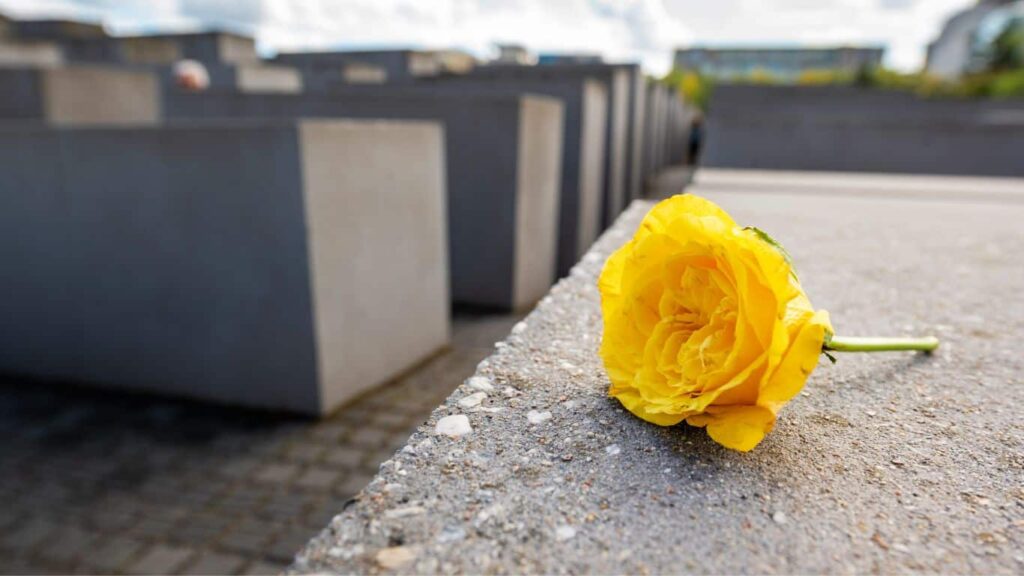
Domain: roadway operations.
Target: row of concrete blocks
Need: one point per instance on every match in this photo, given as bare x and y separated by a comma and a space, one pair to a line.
59, 42
605, 135
231, 60
636, 115
281, 264
288, 265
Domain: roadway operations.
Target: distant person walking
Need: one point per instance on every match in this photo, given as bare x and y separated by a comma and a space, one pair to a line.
696, 140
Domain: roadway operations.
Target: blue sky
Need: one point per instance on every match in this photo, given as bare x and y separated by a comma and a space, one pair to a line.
643, 30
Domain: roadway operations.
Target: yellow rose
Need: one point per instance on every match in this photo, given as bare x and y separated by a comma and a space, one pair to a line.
704, 321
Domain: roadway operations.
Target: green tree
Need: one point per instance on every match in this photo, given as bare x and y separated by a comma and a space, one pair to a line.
1008, 48
694, 88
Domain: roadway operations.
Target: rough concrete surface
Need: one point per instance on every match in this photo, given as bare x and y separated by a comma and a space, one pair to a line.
887, 463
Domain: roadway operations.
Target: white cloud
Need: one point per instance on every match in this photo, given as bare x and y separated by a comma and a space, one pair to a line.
645, 30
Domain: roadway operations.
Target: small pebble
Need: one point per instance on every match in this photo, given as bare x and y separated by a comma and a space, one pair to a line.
451, 534
405, 512
395, 557
780, 517
565, 532
453, 426
480, 383
536, 417
473, 400
612, 449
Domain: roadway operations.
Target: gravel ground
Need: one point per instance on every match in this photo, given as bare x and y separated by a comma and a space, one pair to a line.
886, 463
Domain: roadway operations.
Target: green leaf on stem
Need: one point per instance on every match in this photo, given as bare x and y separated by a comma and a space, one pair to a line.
766, 238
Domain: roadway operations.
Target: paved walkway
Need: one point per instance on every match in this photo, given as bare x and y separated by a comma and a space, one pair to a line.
112, 483
885, 463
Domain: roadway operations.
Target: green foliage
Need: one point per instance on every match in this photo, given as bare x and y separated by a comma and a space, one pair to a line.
825, 77
1008, 85
761, 77
693, 88
1007, 51
1003, 79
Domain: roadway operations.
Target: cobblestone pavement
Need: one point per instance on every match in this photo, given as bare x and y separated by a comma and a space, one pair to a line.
116, 483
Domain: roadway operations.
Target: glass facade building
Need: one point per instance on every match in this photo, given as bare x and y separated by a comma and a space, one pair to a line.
781, 63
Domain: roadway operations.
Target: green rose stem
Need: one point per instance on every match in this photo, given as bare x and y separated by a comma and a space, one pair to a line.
849, 344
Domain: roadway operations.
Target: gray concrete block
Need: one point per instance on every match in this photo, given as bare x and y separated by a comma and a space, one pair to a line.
661, 125
398, 65
318, 78
57, 29
263, 79
676, 129
79, 95
149, 50
222, 48
616, 78
280, 265
207, 47
637, 126
362, 73
328, 71
246, 78
655, 154
651, 112
583, 153
78, 41
6, 26
618, 140
19, 54
849, 129
503, 169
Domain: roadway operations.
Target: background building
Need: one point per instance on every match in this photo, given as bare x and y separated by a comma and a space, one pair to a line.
954, 51
784, 63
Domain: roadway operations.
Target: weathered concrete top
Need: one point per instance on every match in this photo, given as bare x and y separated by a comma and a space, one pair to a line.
886, 463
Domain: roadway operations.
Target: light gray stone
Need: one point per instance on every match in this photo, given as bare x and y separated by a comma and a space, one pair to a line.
454, 426
473, 400
480, 383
